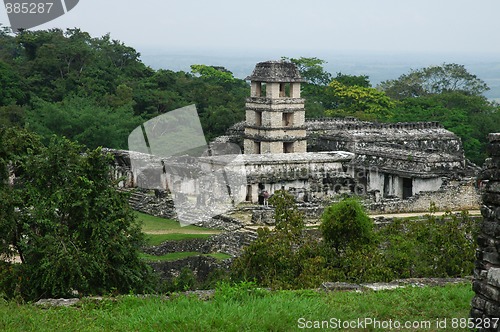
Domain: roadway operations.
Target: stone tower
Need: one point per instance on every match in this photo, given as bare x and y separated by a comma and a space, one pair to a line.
275, 115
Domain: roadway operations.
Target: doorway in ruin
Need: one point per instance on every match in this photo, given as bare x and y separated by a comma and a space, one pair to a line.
387, 186
407, 188
249, 197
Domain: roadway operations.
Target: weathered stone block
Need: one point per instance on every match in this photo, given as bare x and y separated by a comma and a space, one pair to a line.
491, 163
494, 137
486, 243
491, 198
491, 257
487, 291
493, 277
339, 286
490, 174
478, 303
475, 313
486, 212
493, 187
492, 309
480, 274
490, 228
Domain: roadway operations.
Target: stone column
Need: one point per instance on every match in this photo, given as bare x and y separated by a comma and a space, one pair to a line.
486, 302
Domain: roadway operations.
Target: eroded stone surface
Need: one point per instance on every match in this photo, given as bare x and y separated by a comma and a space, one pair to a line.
486, 303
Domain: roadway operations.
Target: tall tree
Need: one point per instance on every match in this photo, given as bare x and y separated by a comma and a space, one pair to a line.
361, 102
72, 230
311, 69
434, 80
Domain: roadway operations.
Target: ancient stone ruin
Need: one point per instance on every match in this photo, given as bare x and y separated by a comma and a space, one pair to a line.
486, 303
396, 167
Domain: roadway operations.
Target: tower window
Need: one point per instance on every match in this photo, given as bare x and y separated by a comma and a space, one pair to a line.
256, 148
258, 118
284, 89
287, 119
258, 89
288, 147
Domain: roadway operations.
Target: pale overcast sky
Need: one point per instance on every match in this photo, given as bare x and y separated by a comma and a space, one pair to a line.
393, 26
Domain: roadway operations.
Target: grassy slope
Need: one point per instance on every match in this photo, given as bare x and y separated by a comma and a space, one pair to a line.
158, 230
155, 224
279, 311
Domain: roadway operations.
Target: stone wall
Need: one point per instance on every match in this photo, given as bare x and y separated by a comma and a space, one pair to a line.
202, 246
486, 303
157, 203
201, 266
453, 196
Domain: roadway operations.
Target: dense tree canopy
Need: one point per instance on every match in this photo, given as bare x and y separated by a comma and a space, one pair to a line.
54, 75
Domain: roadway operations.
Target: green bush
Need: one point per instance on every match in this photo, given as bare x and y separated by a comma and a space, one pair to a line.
346, 225
285, 257
434, 247
288, 257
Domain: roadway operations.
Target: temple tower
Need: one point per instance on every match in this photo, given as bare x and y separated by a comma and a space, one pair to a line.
275, 114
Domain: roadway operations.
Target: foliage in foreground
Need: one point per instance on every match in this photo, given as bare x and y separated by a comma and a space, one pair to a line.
67, 223
352, 251
241, 307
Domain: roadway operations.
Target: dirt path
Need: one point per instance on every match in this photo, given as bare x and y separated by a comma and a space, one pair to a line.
181, 231
388, 215
418, 214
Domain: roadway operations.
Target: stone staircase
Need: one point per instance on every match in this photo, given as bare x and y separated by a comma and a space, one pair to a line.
136, 199
145, 201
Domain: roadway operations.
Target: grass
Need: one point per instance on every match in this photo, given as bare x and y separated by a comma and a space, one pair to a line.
246, 310
180, 255
157, 239
159, 230
154, 224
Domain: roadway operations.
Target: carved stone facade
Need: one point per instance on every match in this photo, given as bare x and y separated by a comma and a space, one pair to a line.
486, 303
401, 166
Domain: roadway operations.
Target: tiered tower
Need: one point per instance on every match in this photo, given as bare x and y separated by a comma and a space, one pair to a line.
275, 115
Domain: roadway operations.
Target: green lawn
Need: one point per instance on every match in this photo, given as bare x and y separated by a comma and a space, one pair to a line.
157, 239
151, 224
159, 230
234, 309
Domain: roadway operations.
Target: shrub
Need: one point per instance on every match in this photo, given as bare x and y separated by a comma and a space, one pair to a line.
284, 257
434, 247
346, 224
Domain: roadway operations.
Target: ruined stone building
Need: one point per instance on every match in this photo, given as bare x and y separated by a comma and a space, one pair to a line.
397, 166
384, 161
